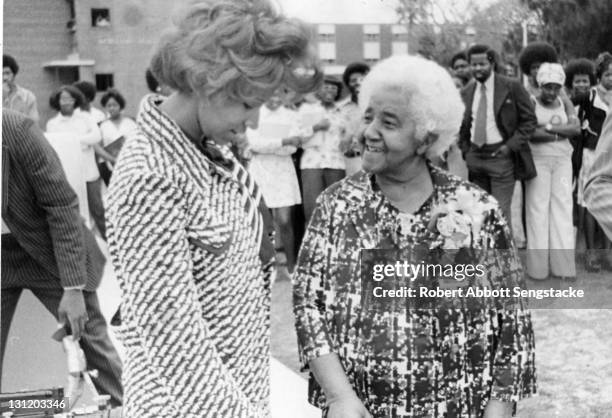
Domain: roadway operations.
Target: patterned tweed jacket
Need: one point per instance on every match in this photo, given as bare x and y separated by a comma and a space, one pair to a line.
444, 358
184, 236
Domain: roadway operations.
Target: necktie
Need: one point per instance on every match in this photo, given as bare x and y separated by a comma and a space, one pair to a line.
480, 123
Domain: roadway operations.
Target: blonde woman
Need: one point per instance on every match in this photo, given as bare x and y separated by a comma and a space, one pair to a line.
186, 222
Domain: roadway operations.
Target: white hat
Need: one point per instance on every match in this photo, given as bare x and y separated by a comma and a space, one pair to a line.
550, 73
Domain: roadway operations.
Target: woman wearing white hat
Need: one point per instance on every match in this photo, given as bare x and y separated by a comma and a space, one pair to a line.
548, 197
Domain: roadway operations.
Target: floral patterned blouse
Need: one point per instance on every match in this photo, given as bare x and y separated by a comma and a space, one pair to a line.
413, 361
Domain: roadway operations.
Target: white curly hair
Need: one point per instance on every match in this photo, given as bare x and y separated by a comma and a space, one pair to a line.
429, 92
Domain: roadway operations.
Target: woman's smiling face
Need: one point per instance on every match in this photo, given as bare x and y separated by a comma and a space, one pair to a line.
389, 136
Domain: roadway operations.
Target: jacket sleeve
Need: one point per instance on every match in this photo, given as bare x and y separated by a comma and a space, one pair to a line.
598, 189
526, 119
151, 255
44, 172
311, 288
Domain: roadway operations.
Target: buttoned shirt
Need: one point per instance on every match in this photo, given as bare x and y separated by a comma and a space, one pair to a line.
23, 101
493, 135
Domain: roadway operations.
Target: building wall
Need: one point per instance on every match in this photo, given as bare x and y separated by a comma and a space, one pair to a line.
35, 32
349, 43
124, 47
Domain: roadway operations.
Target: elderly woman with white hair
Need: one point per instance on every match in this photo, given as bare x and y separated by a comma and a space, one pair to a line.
187, 225
548, 197
408, 357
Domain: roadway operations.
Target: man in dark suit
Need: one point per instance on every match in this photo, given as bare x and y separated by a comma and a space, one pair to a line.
47, 248
498, 121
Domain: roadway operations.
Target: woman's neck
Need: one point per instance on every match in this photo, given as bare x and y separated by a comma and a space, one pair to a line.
182, 109
409, 190
550, 105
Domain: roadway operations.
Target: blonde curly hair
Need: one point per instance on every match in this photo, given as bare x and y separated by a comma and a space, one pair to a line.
243, 48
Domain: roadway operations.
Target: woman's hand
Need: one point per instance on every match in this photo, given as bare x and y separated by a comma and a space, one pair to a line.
348, 406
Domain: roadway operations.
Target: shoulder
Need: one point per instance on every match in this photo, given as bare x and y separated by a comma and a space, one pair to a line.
25, 93
350, 190
14, 125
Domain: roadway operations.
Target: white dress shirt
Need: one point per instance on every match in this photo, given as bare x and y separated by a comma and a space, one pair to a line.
493, 135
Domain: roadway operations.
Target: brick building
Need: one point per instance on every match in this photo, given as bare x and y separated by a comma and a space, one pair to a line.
109, 43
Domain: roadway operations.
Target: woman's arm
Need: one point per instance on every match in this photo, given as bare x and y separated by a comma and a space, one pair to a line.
341, 398
278, 146
92, 135
541, 135
317, 346
570, 129
150, 252
102, 153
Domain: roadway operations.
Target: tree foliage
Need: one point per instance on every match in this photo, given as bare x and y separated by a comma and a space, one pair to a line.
578, 28
436, 29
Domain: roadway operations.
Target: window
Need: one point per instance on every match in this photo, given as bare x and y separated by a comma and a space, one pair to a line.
100, 18
327, 33
104, 82
327, 51
399, 48
371, 50
371, 33
399, 32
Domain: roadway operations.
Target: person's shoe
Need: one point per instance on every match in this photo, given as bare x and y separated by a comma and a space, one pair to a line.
537, 279
606, 260
569, 279
591, 263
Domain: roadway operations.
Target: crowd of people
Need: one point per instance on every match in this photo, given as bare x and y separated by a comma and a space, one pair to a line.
246, 136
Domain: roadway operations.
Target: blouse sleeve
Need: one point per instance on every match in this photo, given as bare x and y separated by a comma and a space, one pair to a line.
311, 286
160, 304
513, 373
92, 135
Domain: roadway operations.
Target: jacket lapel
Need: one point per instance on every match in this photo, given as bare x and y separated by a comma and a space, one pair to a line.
468, 93
499, 94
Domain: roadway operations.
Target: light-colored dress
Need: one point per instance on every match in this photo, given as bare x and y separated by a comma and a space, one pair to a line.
271, 165
184, 236
81, 125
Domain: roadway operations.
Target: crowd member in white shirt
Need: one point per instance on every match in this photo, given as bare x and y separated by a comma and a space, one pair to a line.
80, 124
88, 90
322, 163
272, 144
116, 129
89, 93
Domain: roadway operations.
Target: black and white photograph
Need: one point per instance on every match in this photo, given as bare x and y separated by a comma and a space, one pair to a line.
306, 209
